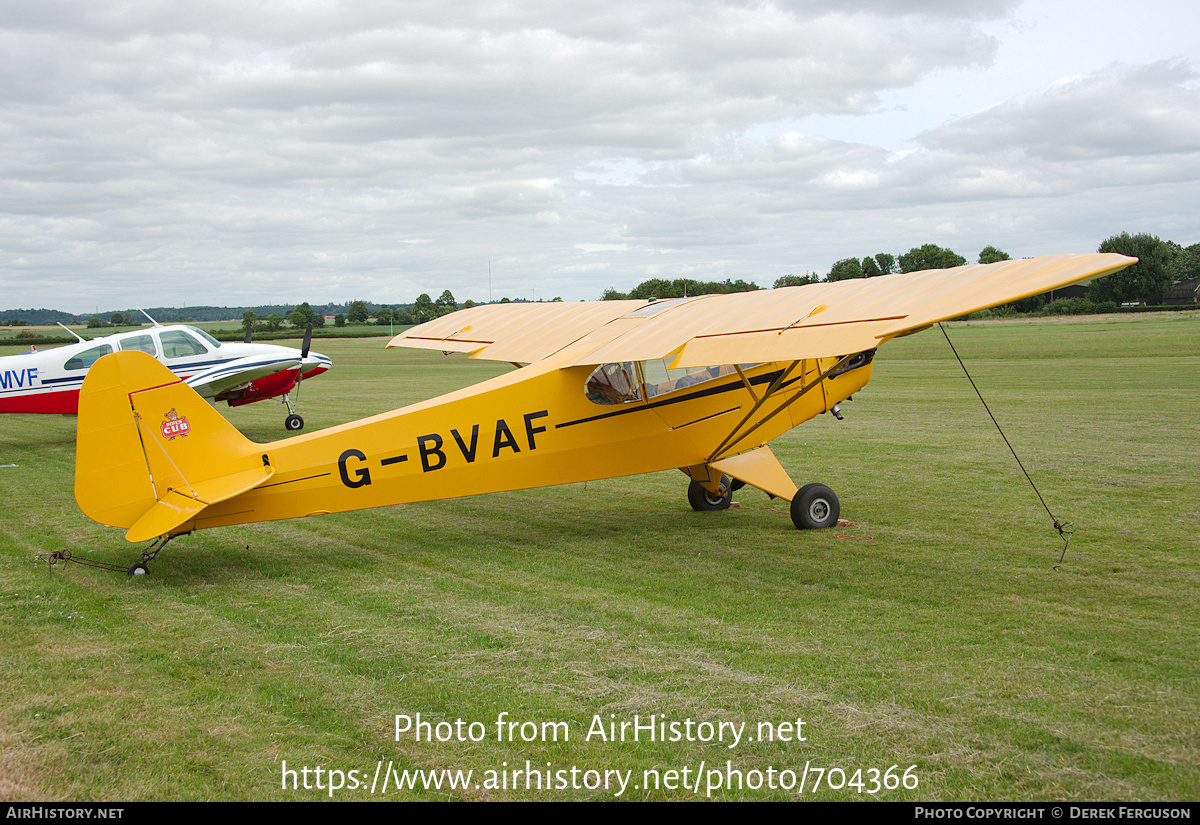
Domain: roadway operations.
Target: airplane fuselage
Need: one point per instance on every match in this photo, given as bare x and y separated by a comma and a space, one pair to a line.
534, 427
49, 381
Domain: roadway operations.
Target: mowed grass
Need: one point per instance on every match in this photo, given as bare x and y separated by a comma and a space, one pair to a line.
933, 632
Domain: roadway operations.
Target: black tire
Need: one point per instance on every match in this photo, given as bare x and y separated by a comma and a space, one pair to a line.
139, 569
815, 506
703, 501
293, 423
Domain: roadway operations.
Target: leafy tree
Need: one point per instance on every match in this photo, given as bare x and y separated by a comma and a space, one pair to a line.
384, 316
658, 288
339, 320
445, 303
886, 263
795, 280
929, 256
991, 255
275, 321
1031, 304
846, 269
678, 288
467, 304
304, 315
248, 319
1186, 263
357, 313
725, 287
1146, 280
117, 318
94, 323
423, 309
870, 269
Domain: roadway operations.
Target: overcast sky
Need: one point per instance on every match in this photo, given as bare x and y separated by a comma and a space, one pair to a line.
238, 152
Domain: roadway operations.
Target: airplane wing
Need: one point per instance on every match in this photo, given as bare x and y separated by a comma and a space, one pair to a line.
523, 332
813, 321
234, 374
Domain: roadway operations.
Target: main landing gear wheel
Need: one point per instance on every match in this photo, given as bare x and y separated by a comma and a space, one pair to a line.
815, 506
702, 500
293, 423
139, 569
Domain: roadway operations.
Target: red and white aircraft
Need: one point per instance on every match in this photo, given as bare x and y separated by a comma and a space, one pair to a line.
48, 381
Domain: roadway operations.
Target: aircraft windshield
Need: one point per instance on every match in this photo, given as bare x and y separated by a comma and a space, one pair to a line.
213, 342
638, 380
88, 357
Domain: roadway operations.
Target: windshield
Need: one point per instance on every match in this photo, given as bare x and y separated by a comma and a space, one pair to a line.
213, 341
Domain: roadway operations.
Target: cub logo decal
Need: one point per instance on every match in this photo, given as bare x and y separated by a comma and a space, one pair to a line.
174, 425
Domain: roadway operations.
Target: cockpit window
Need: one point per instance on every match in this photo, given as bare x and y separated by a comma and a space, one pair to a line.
88, 357
637, 380
661, 380
614, 384
179, 344
141, 343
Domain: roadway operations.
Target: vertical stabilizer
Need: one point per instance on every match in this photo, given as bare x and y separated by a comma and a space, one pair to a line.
151, 454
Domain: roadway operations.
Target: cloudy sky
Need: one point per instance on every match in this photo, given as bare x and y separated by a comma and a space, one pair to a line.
236, 152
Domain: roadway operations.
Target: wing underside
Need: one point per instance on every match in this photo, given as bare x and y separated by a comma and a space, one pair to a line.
813, 321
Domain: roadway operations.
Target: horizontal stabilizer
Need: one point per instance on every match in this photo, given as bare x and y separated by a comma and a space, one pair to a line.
174, 510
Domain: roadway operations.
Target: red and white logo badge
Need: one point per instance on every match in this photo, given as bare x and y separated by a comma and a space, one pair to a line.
174, 425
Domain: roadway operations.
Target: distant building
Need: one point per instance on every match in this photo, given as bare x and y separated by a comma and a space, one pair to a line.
1183, 292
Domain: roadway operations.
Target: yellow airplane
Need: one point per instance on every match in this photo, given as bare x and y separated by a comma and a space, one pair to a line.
603, 389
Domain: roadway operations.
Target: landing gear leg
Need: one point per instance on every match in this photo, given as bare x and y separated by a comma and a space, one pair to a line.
142, 568
293, 423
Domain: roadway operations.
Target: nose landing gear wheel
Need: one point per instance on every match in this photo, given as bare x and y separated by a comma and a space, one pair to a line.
815, 506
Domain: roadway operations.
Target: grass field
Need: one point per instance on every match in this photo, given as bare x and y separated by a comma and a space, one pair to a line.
933, 634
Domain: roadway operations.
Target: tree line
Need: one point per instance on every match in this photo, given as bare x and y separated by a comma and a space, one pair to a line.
1160, 265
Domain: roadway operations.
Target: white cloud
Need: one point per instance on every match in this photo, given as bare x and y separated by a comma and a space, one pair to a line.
323, 150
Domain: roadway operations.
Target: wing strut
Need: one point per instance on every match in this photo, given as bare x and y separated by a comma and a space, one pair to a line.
736, 434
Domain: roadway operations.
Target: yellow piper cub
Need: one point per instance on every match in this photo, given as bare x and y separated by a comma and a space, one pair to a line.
609, 388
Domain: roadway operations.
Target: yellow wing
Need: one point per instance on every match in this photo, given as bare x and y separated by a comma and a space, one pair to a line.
513, 332
814, 321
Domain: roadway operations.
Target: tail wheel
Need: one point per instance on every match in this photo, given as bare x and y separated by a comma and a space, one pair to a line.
815, 506
702, 500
